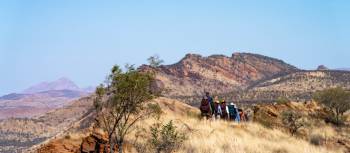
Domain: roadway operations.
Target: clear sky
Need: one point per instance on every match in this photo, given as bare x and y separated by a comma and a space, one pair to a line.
45, 40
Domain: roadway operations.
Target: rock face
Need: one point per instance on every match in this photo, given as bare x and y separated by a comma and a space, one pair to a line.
96, 142
195, 74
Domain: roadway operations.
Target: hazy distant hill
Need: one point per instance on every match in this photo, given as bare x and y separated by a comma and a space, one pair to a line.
60, 84
344, 69
41, 98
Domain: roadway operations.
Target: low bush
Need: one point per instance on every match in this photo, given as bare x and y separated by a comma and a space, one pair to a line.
166, 138
317, 139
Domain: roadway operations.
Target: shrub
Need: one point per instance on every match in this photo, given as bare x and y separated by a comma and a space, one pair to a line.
68, 136
337, 101
155, 61
293, 121
166, 138
122, 103
266, 123
280, 150
316, 139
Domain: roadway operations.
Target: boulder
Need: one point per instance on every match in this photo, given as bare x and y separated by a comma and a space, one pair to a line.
97, 141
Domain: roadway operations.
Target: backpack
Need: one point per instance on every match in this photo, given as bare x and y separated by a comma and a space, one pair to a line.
205, 106
232, 111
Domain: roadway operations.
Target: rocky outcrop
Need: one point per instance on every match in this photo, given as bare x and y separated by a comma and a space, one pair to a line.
195, 74
96, 142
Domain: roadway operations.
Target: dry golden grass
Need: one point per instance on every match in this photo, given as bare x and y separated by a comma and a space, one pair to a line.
206, 136
218, 137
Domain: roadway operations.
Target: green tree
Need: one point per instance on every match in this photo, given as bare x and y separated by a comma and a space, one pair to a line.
337, 100
123, 103
293, 121
155, 61
166, 138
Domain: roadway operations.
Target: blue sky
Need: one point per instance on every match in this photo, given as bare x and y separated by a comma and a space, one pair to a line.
81, 40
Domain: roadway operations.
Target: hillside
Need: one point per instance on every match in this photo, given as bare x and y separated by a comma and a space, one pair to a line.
17, 134
195, 74
243, 78
297, 86
316, 129
203, 136
29, 105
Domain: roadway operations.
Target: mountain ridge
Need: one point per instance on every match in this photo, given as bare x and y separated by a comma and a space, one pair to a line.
194, 73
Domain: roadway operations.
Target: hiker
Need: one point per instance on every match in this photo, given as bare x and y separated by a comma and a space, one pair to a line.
218, 109
223, 109
217, 106
233, 112
242, 115
211, 102
246, 117
205, 108
248, 114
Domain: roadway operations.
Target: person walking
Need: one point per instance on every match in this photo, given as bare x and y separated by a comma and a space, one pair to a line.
217, 107
205, 108
211, 102
233, 112
223, 109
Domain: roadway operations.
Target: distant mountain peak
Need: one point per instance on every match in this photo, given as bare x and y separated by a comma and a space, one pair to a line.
322, 67
60, 84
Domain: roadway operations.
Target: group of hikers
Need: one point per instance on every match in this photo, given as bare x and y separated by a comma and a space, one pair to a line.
217, 108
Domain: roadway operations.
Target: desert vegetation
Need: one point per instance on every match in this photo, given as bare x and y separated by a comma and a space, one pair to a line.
125, 101
179, 129
337, 101
222, 136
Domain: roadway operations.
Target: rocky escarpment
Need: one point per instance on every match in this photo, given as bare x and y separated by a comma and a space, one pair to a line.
195, 74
